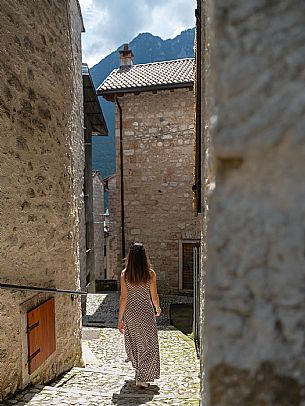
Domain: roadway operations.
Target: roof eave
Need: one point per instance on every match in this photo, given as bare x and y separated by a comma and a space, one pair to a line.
81, 16
141, 89
96, 115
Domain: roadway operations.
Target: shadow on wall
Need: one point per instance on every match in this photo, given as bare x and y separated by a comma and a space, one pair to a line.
106, 285
269, 388
181, 317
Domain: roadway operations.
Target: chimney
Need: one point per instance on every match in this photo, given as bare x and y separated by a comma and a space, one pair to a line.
126, 57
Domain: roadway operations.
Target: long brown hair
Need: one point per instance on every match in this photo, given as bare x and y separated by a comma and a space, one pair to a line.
137, 265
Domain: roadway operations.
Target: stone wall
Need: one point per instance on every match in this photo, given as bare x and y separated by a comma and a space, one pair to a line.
158, 135
113, 236
98, 218
255, 268
76, 125
41, 168
87, 272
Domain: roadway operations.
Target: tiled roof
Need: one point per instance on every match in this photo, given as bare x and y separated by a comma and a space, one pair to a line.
149, 76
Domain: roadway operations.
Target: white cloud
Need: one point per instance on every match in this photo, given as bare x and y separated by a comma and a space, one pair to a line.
86, 5
110, 23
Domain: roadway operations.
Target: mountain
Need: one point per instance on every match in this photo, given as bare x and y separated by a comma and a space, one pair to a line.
146, 48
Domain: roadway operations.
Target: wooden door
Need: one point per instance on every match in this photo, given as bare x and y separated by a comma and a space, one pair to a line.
41, 334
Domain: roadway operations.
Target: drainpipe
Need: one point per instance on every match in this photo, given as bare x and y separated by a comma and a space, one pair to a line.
122, 181
197, 185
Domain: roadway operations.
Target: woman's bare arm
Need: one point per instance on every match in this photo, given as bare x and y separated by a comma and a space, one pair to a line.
123, 302
154, 292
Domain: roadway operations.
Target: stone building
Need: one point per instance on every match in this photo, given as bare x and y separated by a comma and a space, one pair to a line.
111, 227
104, 231
252, 106
41, 186
99, 233
154, 129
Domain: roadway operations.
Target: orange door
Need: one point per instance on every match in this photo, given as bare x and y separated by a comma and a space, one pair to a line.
41, 334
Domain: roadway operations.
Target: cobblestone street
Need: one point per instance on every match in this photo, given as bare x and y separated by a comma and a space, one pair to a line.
108, 380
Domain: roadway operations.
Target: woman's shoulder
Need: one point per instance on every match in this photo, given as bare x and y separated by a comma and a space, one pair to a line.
152, 274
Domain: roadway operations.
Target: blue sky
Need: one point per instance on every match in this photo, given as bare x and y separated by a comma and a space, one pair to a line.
110, 23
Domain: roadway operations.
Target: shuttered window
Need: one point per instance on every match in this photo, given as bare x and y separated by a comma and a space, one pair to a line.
41, 334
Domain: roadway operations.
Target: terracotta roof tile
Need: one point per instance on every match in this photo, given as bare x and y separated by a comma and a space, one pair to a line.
175, 73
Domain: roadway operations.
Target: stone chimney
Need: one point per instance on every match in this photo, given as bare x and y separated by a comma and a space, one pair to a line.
126, 57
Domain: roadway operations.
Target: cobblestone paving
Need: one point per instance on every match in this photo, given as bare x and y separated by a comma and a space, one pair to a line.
108, 380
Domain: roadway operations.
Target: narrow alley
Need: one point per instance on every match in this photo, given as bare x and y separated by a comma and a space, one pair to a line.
107, 379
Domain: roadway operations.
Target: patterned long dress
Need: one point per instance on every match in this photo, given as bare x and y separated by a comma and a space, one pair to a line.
141, 335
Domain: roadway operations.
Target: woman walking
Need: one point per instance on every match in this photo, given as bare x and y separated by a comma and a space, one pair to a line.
137, 319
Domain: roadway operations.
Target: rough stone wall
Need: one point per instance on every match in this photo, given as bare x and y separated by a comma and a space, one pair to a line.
206, 112
113, 238
76, 125
98, 218
40, 178
87, 273
255, 270
158, 138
